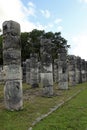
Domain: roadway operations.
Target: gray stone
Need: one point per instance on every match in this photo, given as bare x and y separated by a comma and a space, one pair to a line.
83, 70
71, 70
24, 72
46, 67
12, 66
55, 71
78, 70
34, 70
13, 95
28, 71
62, 69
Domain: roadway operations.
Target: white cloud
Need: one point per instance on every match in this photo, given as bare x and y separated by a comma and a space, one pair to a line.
60, 28
85, 1
31, 4
45, 13
15, 10
80, 45
58, 20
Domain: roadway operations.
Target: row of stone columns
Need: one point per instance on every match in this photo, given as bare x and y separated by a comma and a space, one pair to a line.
67, 70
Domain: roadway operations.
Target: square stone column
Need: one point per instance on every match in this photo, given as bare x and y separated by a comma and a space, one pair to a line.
46, 67
34, 70
13, 95
71, 70
62, 69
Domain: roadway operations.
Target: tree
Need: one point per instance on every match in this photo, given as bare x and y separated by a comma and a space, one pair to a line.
31, 42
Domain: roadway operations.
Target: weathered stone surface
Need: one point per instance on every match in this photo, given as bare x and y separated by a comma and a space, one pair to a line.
11, 40
78, 70
1, 75
24, 72
28, 71
12, 56
34, 70
11, 27
13, 94
83, 70
62, 69
72, 70
55, 71
12, 66
46, 67
12, 72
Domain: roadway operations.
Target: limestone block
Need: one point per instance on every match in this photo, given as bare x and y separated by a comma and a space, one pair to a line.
11, 56
12, 72
13, 95
11, 41
11, 27
47, 84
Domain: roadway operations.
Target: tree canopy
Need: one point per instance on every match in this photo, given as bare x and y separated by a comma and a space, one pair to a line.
30, 43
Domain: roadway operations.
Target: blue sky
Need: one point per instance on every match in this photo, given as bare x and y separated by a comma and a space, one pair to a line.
67, 16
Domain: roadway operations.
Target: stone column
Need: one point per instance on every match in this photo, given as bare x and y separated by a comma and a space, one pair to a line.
83, 70
86, 71
46, 67
34, 71
62, 69
55, 71
24, 72
71, 70
78, 70
28, 71
12, 66
1, 75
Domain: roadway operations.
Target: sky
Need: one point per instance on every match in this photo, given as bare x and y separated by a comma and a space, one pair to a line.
66, 16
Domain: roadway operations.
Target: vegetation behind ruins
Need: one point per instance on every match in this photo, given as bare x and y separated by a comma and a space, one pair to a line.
30, 43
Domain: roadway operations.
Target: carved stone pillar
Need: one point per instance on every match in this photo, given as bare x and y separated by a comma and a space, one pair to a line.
12, 66
46, 67
78, 70
71, 70
24, 72
62, 69
28, 71
55, 71
34, 71
83, 70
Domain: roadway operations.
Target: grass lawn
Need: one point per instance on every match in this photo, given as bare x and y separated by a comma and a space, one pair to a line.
71, 116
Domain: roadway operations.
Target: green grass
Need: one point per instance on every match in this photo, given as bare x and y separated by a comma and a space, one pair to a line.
35, 105
71, 116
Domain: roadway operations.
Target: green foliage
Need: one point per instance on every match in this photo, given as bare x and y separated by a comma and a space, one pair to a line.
31, 42
25, 46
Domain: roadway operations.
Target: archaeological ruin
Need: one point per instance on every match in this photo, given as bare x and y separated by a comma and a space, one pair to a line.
65, 70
